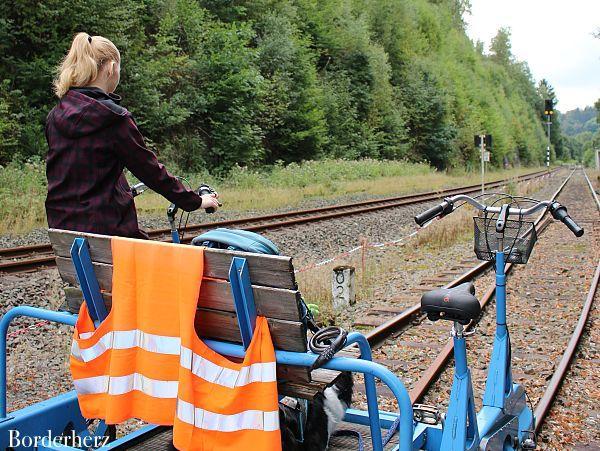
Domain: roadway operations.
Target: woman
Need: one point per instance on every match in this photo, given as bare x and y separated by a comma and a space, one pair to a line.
91, 138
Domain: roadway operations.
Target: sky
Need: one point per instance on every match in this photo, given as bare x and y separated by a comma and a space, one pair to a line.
554, 37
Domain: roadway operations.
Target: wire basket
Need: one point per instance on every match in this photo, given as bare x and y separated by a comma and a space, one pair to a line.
517, 241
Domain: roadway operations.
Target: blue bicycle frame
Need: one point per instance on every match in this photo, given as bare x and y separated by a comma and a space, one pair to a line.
505, 419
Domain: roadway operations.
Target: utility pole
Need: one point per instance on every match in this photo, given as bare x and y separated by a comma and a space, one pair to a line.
548, 111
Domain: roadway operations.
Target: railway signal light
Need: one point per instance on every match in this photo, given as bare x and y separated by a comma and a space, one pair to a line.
486, 140
548, 107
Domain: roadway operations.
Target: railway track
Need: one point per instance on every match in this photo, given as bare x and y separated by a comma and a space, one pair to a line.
40, 256
389, 323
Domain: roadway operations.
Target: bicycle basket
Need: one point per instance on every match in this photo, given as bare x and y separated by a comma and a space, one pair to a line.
517, 242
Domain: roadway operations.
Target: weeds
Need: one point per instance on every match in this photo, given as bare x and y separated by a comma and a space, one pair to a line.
23, 186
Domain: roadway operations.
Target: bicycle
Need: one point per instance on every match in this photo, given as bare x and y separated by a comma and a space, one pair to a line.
505, 421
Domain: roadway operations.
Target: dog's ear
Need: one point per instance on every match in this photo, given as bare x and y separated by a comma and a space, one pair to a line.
345, 387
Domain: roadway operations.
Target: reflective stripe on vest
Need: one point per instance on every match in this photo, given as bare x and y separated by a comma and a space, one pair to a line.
146, 361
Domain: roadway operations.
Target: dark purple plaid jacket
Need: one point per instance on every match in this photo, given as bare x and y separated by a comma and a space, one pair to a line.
91, 139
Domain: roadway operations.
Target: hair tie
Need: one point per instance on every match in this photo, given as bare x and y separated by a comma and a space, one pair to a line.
90, 39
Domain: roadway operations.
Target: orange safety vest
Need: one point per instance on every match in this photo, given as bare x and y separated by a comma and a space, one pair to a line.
146, 361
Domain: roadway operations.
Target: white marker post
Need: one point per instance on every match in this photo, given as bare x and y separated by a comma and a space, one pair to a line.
342, 287
483, 142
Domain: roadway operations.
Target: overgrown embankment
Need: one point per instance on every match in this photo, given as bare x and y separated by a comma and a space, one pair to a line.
218, 83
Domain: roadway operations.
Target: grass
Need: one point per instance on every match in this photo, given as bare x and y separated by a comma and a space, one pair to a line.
23, 186
22, 195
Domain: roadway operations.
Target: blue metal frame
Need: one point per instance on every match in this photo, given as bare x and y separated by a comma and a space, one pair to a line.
243, 298
37, 419
65, 408
499, 380
82, 261
503, 400
463, 428
460, 431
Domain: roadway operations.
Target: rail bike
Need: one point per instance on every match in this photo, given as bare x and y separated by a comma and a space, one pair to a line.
502, 233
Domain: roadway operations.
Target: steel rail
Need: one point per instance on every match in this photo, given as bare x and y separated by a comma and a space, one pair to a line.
348, 209
594, 195
38, 248
545, 403
377, 204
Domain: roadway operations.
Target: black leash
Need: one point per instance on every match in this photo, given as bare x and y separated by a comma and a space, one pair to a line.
327, 342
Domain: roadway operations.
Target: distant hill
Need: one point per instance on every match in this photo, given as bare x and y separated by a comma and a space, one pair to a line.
578, 121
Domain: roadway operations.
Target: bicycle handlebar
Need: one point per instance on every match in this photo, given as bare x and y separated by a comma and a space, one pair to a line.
138, 189
558, 211
439, 210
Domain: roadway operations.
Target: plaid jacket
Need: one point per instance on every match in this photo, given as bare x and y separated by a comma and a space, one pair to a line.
91, 139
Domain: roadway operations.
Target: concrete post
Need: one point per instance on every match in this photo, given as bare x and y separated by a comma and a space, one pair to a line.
342, 287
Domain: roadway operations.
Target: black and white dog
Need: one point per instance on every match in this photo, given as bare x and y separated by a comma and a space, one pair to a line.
324, 414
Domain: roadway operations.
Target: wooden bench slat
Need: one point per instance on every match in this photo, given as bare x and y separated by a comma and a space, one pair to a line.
214, 294
267, 270
286, 335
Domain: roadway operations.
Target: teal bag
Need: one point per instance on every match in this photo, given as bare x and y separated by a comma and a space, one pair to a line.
236, 240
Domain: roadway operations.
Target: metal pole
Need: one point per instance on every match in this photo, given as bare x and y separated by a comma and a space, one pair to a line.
482, 162
548, 148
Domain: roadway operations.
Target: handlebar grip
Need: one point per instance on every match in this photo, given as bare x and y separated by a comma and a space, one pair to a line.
560, 212
441, 209
572, 226
206, 189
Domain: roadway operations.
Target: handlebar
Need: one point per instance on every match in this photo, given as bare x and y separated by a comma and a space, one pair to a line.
447, 206
560, 212
206, 189
139, 188
439, 210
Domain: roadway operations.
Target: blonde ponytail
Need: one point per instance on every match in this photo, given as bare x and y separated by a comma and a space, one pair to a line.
85, 58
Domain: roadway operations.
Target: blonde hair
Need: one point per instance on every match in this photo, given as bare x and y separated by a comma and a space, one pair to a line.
83, 62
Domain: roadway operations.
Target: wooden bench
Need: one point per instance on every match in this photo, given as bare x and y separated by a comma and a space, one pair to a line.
275, 291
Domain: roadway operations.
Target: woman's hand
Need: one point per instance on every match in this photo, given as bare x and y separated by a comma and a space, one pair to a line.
210, 200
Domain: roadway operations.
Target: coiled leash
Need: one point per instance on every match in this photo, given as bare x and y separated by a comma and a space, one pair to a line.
327, 342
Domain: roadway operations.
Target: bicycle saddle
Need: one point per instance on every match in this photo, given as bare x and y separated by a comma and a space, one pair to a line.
454, 304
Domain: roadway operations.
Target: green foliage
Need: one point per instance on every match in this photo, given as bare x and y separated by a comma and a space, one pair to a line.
308, 173
500, 47
222, 84
578, 121
584, 133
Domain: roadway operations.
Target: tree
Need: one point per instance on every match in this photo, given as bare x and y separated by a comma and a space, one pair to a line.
501, 48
